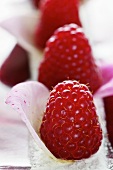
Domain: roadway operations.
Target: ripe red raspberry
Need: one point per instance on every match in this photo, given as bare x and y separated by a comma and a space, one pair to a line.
15, 69
108, 105
36, 3
54, 14
70, 127
68, 55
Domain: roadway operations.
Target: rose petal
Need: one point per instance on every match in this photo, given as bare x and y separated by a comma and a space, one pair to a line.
105, 90
22, 27
107, 71
29, 100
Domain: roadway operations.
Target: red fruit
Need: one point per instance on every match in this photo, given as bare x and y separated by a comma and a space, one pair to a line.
108, 105
70, 127
68, 55
54, 14
15, 69
36, 3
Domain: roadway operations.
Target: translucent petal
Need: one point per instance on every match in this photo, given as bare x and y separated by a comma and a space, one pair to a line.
22, 27
107, 88
107, 71
29, 100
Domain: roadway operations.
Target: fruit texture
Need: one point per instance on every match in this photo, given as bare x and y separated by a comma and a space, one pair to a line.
54, 14
15, 69
70, 127
68, 55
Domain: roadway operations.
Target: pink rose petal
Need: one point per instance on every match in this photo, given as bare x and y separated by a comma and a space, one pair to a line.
107, 71
105, 90
22, 27
29, 100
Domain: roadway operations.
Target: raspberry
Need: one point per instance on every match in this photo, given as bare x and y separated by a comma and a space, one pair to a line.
70, 127
36, 3
15, 69
108, 105
68, 55
54, 14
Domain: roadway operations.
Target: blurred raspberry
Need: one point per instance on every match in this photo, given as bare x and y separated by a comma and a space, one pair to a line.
15, 69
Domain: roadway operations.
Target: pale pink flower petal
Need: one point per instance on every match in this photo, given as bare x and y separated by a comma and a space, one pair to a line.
107, 71
105, 90
29, 100
23, 28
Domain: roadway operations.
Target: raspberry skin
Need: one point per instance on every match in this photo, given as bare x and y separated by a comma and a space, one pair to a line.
54, 14
15, 68
108, 106
36, 3
68, 55
70, 127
